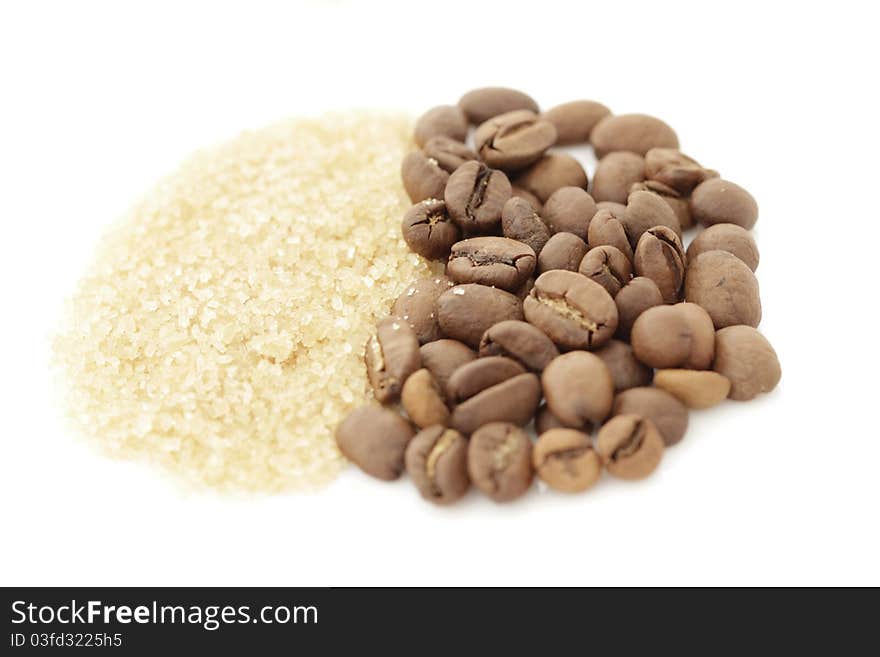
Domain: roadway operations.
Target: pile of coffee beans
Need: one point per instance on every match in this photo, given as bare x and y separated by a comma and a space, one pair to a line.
578, 312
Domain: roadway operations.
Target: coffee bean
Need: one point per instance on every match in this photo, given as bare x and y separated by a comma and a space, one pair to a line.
630, 446
526, 195
562, 251
520, 221
475, 195
680, 206
660, 256
726, 287
565, 460
444, 121
644, 210
375, 439
449, 153
428, 230
423, 400
615, 174
606, 229
422, 177
482, 104
513, 140
608, 267
496, 261
417, 306
718, 201
475, 376
694, 388
668, 414
514, 400
578, 388
671, 167
520, 341
569, 210
674, 336
443, 357
466, 311
500, 461
638, 133
726, 237
625, 370
436, 460
545, 420
574, 121
617, 209
575, 312
633, 299
748, 360
391, 355
552, 171
525, 289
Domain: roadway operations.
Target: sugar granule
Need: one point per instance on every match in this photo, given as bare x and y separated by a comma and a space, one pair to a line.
220, 331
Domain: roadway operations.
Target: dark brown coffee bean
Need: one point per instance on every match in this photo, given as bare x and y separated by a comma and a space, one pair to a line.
718, 201
526, 195
422, 177
575, 120
375, 439
606, 229
466, 311
417, 306
694, 388
638, 133
500, 461
680, 206
436, 460
660, 257
525, 289
514, 400
633, 299
608, 267
569, 210
552, 171
578, 388
562, 251
496, 261
443, 357
668, 414
444, 121
545, 420
482, 104
475, 195
748, 360
513, 140
615, 174
630, 446
565, 460
449, 153
575, 312
391, 356
674, 336
644, 210
423, 400
520, 222
520, 341
673, 168
726, 237
477, 375
726, 287
428, 230
626, 371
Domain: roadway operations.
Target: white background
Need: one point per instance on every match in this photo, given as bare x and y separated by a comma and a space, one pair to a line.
98, 100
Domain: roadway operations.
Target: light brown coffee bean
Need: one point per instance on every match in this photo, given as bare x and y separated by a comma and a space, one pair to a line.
630, 446
578, 388
513, 140
569, 210
694, 388
520, 221
726, 287
644, 210
574, 121
496, 261
673, 168
465, 312
417, 306
436, 460
668, 414
444, 121
482, 104
626, 371
608, 267
520, 341
449, 153
475, 195
428, 230
718, 201
748, 360
423, 400
660, 256
391, 355
422, 177
375, 440
617, 209
500, 461
667, 337
633, 299
638, 133
526, 195
443, 357
565, 460
607, 229
562, 251
726, 237
680, 206
551, 172
615, 174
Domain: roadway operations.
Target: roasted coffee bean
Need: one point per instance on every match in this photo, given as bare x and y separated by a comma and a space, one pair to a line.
375, 439
617, 209
630, 446
565, 460
417, 306
574, 121
694, 388
726, 237
674, 336
477, 375
482, 104
626, 371
660, 257
748, 360
552, 171
466, 311
644, 210
673, 168
520, 221
638, 133
391, 355
436, 460
569, 210
500, 461
575, 312
668, 414
514, 401
449, 153
443, 357
497, 261
526, 195
525, 289
545, 420
606, 229
562, 251
428, 230
726, 287
633, 299
680, 206
423, 400
475, 195
578, 388
422, 177
444, 121
608, 267
520, 341
513, 140
615, 174
718, 201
